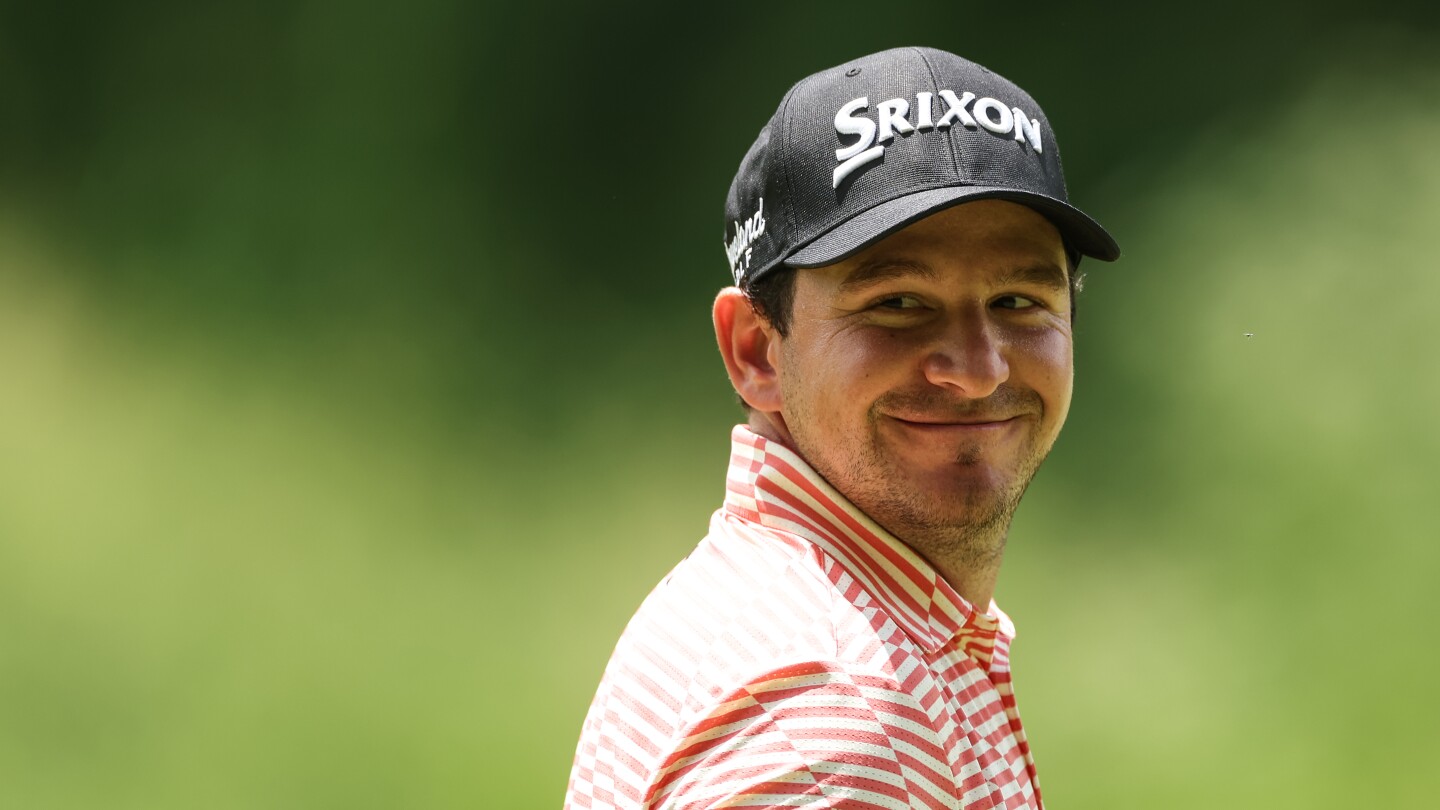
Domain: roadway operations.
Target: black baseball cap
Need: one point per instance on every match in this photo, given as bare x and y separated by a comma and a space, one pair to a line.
861, 150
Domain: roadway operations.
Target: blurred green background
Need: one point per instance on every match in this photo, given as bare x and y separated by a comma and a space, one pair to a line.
358, 383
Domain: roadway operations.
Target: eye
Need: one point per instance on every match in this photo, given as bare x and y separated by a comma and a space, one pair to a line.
899, 302
1016, 302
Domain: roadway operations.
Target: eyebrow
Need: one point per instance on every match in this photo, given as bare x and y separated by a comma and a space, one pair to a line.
1044, 274
875, 271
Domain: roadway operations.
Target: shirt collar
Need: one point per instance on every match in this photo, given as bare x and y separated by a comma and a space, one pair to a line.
771, 485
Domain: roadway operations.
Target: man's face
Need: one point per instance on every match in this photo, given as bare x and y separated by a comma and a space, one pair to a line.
927, 377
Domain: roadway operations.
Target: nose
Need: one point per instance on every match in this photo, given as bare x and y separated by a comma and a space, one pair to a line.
968, 357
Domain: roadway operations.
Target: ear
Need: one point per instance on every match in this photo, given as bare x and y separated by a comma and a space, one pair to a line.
750, 346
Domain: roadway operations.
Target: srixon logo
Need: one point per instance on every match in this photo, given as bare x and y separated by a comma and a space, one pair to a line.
893, 118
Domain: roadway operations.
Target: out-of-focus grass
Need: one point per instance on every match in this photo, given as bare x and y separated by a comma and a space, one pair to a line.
1226, 601
290, 578
235, 583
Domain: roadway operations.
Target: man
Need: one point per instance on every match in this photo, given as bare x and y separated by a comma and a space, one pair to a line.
900, 334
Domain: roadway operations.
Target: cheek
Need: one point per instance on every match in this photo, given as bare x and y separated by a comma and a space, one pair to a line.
867, 362
839, 375
1050, 366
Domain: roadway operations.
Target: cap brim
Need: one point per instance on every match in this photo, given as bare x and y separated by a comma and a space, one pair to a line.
1080, 232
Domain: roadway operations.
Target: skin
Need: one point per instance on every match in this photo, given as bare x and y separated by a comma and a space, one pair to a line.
925, 378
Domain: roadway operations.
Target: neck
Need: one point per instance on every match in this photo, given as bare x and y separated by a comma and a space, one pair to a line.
771, 425
970, 564
968, 559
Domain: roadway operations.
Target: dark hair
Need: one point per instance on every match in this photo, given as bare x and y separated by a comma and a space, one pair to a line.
773, 294
773, 297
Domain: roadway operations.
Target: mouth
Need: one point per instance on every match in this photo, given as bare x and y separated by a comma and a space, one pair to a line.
968, 430
966, 423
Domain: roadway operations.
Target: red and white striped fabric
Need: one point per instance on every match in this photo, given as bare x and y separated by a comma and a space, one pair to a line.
803, 657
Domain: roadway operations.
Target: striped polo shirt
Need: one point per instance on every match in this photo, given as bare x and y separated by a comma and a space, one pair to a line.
802, 656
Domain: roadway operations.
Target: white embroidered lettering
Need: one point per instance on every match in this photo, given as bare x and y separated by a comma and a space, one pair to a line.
955, 110
844, 169
847, 124
982, 110
738, 247
892, 119
1027, 129
922, 111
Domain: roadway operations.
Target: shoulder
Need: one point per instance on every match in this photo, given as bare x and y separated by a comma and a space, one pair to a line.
822, 733
755, 660
749, 596
838, 734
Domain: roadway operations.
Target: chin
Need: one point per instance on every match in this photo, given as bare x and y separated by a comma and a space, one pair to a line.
956, 495
965, 479
970, 506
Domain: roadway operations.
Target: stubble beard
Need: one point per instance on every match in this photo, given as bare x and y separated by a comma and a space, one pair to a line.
966, 528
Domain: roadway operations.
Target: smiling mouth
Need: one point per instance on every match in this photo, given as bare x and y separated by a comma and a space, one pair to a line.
968, 422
